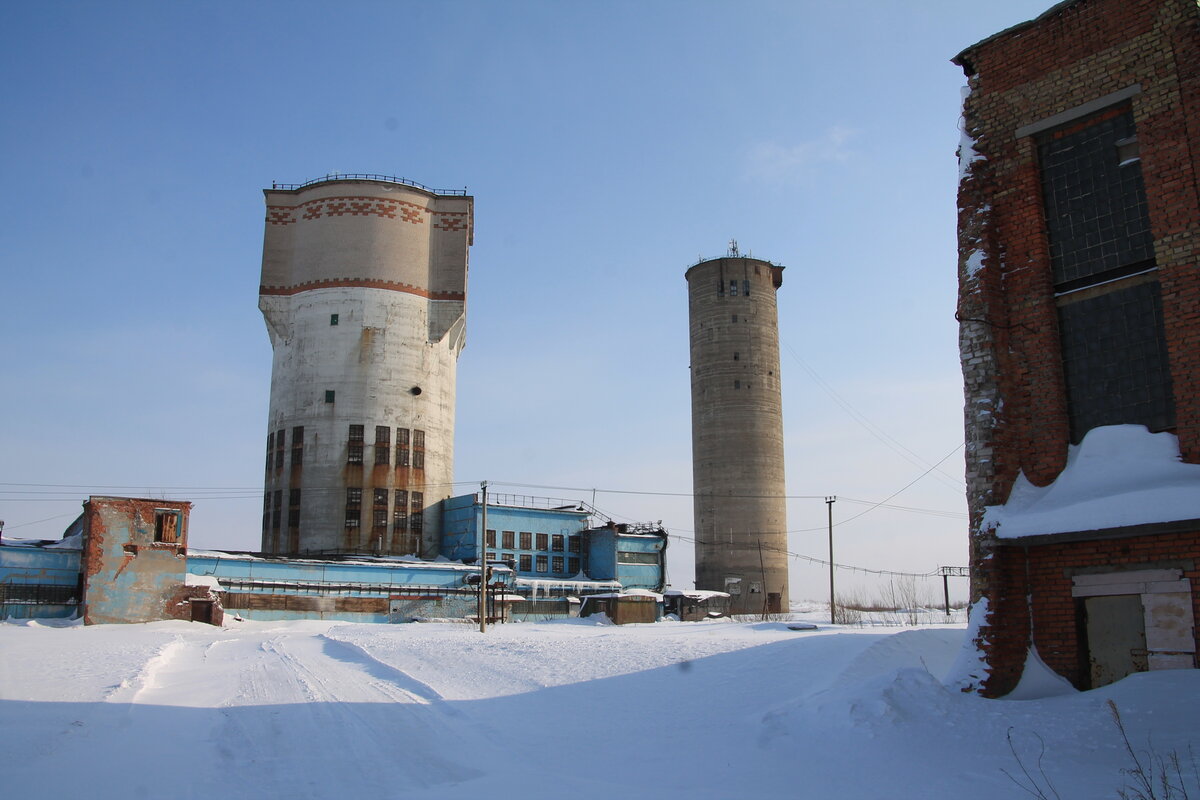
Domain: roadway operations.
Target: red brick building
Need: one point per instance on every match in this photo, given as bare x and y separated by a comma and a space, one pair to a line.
1079, 309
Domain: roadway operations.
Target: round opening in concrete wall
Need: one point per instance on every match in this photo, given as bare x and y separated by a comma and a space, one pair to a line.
416, 390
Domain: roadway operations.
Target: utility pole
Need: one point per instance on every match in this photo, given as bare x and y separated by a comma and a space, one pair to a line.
483, 566
829, 501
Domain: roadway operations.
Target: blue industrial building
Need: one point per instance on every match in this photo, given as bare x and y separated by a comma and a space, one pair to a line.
543, 555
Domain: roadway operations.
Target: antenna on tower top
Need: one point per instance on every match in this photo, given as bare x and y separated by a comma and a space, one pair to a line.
733, 248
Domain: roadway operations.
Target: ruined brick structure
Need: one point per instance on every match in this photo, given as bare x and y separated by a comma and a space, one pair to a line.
1079, 305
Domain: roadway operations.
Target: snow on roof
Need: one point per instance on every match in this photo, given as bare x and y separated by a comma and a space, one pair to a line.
628, 593
202, 580
398, 562
1119, 475
695, 594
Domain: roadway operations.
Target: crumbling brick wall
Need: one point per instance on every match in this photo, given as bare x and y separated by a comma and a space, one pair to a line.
1015, 399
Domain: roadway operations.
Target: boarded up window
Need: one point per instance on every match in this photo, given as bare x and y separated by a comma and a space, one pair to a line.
166, 526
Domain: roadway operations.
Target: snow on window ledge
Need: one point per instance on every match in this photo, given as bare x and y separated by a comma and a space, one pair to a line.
1118, 476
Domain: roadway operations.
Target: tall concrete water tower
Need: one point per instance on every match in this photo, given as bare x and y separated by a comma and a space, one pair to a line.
363, 290
737, 432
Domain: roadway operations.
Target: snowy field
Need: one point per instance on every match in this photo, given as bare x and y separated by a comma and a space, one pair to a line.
570, 709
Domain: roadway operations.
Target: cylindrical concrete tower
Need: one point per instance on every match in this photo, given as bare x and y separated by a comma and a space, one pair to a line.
737, 433
364, 294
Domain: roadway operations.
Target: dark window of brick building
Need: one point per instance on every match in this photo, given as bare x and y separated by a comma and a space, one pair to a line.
1102, 255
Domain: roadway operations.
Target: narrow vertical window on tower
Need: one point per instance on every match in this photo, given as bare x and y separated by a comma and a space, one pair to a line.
270, 450
383, 444
1114, 351
297, 446
354, 449
746, 288
401, 447
418, 507
733, 288
400, 511
280, 438
418, 445
266, 526
353, 507
276, 511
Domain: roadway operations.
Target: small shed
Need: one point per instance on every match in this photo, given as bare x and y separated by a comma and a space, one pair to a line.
623, 608
696, 604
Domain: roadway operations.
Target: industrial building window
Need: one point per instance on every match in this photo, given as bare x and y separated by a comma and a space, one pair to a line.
508, 558
489, 539
333, 319
418, 460
418, 440
556, 543
276, 510
507, 542
280, 438
746, 288
383, 444
379, 498
270, 450
293, 517
293, 498
737, 384
556, 564
543, 541
526, 540
297, 446
573, 566
380, 519
736, 356
356, 434
541, 563
734, 319
526, 563
353, 507
418, 519
354, 451
631, 557
720, 288
329, 395
1114, 352
166, 526
733, 288
400, 511
573, 545
266, 526
401, 447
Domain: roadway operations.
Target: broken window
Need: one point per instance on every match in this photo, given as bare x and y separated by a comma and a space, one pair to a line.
166, 526
401, 447
1105, 276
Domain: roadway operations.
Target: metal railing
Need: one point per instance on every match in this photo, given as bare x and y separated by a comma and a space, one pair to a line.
366, 176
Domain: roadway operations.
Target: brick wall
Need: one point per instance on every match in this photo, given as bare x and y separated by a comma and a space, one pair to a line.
1038, 579
1016, 409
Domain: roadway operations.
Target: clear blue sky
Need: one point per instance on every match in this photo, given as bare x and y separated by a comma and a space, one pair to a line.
608, 145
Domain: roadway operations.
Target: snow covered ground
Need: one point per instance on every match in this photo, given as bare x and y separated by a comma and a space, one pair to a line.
573, 709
